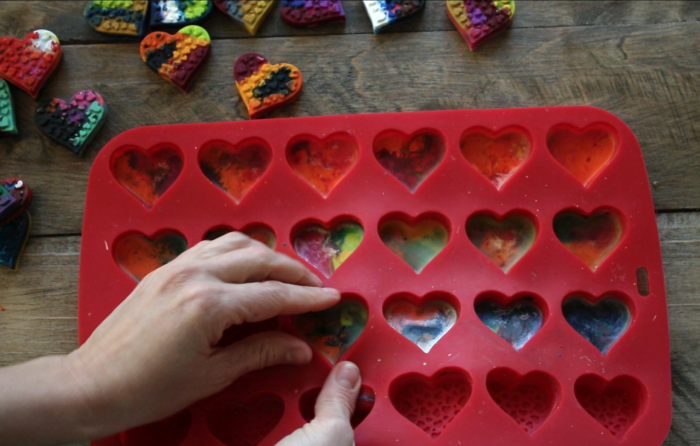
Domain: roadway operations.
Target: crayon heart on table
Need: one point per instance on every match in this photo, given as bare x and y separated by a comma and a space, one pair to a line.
30, 62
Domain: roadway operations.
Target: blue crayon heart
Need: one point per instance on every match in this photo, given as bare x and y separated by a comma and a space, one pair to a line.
13, 237
516, 323
601, 323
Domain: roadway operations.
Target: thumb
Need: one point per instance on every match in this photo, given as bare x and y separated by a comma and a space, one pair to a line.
334, 407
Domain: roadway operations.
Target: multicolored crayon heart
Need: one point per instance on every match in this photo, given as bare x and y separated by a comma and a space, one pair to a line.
13, 238
331, 332
584, 153
504, 241
249, 13
327, 249
602, 323
8, 124
310, 13
147, 175
265, 87
177, 58
496, 157
138, 255
590, 238
117, 17
30, 62
425, 324
15, 199
517, 322
410, 159
179, 12
480, 20
73, 124
387, 13
415, 241
245, 423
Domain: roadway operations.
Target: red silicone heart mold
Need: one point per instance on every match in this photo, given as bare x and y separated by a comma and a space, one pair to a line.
591, 238
257, 231
431, 403
29, 63
416, 241
323, 163
584, 153
495, 156
615, 404
528, 399
147, 174
245, 423
235, 169
168, 432
138, 255
503, 240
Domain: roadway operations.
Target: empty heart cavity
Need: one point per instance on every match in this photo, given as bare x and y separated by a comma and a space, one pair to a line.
410, 159
505, 241
331, 332
235, 168
363, 406
615, 404
602, 322
257, 231
138, 255
323, 163
147, 174
422, 321
528, 399
583, 153
245, 423
415, 241
516, 320
168, 432
326, 247
590, 238
431, 403
496, 157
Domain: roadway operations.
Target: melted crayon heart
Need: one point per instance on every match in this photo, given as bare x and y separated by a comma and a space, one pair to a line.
265, 87
416, 243
310, 13
363, 406
30, 62
601, 323
235, 169
327, 250
516, 322
387, 13
8, 124
260, 232
245, 423
147, 175
15, 198
423, 325
431, 403
506, 241
323, 163
331, 332
591, 239
179, 12
478, 20
138, 255
177, 58
75, 123
249, 13
615, 404
528, 399
13, 238
117, 17
168, 432
583, 153
495, 157
410, 159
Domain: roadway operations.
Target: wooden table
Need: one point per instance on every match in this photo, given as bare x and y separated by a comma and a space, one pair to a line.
640, 60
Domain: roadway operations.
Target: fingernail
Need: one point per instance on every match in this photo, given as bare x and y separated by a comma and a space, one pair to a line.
298, 356
347, 375
331, 293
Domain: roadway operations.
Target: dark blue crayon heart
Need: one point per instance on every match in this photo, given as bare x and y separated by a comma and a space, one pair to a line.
516, 323
601, 323
13, 237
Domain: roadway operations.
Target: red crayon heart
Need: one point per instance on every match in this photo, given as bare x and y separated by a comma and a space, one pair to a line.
583, 153
496, 157
30, 62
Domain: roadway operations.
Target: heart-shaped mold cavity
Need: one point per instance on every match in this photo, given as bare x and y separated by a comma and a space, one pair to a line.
410, 159
601, 322
147, 175
117, 18
615, 404
583, 153
515, 320
168, 432
13, 238
29, 63
327, 249
496, 157
235, 169
422, 321
528, 399
415, 241
363, 406
591, 239
237, 333
323, 163
431, 403
257, 231
331, 332
505, 241
138, 255
245, 423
